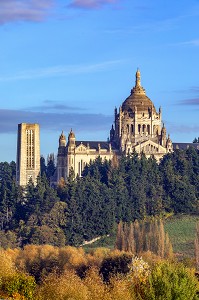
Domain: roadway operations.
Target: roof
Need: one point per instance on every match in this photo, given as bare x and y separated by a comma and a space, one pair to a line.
184, 146
95, 144
138, 100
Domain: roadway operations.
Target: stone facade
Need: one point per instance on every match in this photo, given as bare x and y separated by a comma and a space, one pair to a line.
137, 127
76, 154
28, 153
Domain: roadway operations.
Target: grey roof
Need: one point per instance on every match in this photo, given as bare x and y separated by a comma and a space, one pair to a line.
94, 144
184, 146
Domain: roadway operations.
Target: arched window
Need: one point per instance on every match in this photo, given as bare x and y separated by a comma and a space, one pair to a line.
139, 128
148, 129
143, 128
132, 128
154, 129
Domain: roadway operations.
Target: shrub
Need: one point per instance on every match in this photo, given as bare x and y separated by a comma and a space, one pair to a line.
66, 286
19, 284
112, 266
170, 281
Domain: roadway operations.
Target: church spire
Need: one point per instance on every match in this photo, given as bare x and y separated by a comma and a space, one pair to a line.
138, 89
138, 78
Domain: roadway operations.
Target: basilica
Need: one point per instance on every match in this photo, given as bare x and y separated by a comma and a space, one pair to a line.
137, 127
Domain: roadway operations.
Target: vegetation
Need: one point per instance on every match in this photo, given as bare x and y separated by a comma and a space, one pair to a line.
196, 140
196, 242
133, 197
182, 230
48, 273
81, 209
143, 236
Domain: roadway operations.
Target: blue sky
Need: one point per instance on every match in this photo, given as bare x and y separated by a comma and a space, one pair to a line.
67, 64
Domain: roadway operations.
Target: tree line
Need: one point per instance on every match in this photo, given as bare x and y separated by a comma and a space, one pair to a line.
78, 209
47, 272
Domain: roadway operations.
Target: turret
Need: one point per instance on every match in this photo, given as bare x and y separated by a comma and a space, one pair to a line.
112, 134
169, 144
71, 138
163, 136
62, 140
71, 141
115, 111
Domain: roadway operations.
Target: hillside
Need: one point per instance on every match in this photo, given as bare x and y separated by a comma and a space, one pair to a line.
83, 208
181, 230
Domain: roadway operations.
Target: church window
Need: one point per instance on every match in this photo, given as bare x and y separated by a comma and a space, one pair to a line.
144, 128
132, 128
139, 128
148, 129
30, 149
79, 169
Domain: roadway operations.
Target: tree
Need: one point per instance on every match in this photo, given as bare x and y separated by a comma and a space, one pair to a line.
196, 140
143, 236
50, 169
113, 266
42, 165
196, 243
170, 281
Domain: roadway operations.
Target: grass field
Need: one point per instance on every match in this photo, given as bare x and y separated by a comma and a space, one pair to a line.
181, 230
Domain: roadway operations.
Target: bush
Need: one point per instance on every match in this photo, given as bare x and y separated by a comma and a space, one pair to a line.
19, 284
170, 281
112, 266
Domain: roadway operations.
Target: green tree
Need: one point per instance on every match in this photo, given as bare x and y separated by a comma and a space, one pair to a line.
170, 281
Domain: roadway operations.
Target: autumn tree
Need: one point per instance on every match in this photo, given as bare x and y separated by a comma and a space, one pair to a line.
143, 236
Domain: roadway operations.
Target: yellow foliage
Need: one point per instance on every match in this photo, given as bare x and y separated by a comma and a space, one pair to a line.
71, 257
17, 296
95, 257
7, 267
96, 288
121, 290
26, 255
67, 286
101, 253
13, 253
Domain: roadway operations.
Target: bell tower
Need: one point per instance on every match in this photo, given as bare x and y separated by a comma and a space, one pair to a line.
28, 154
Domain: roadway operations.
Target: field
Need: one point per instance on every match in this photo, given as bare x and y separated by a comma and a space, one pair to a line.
181, 230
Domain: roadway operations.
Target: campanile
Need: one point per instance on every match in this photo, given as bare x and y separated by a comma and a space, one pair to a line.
28, 153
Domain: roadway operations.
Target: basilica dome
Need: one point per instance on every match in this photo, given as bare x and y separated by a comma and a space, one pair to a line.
138, 101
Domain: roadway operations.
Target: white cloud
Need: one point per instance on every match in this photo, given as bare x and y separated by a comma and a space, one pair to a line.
191, 42
24, 10
60, 71
90, 4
